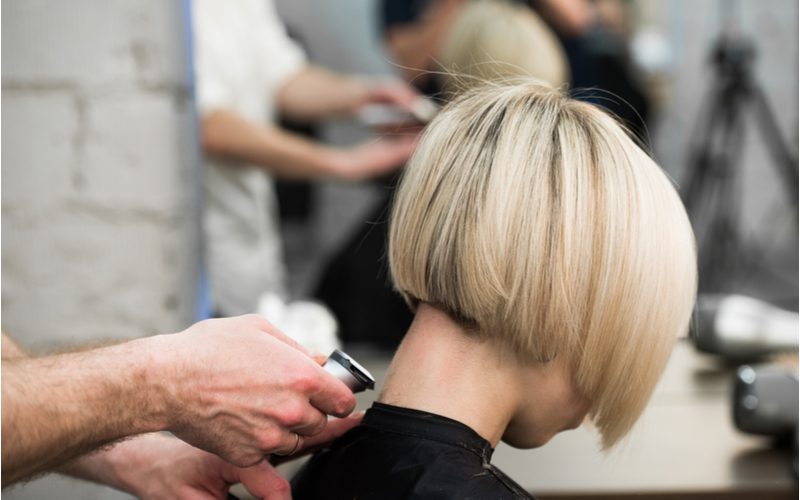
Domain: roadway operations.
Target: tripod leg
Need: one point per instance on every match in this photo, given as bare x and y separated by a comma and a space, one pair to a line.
725, 253
776, 145
702, 152
719, 243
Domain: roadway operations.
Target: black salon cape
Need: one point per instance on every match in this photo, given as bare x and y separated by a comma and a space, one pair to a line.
399, 453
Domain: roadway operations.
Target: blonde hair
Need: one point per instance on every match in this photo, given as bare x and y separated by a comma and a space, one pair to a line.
537, 222
495, 40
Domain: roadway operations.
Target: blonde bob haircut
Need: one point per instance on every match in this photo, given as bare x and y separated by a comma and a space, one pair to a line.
535, 221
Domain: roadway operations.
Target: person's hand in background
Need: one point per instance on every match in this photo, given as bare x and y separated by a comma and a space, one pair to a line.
388, 91
373, 158
290, 156
315, 93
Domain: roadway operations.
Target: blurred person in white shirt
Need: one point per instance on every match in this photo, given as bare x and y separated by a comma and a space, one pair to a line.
248, 71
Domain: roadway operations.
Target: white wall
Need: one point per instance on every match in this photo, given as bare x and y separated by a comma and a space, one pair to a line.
99, 229
99, 180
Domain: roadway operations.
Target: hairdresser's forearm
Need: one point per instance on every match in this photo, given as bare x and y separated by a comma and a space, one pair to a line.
226, 134
315, 94
59, 407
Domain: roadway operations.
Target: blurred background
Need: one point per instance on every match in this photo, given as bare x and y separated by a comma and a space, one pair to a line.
102, 200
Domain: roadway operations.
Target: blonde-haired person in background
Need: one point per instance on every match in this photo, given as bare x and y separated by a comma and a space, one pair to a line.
550, 265
494, 40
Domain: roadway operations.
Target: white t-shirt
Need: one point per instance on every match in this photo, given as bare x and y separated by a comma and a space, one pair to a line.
243, 56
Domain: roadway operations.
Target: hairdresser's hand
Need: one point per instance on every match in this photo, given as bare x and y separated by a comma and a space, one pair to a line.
241, 389
420, 110
373, 159
392, 92
155, 466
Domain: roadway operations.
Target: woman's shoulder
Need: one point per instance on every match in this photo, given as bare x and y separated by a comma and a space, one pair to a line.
501, 487
373, 464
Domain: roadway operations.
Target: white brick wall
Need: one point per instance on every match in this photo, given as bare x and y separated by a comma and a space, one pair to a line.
99, 212
93, 43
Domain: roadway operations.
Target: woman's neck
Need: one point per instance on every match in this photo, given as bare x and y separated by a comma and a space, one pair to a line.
441, 369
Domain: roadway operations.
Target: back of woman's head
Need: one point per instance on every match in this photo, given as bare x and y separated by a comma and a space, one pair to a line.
536, 222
